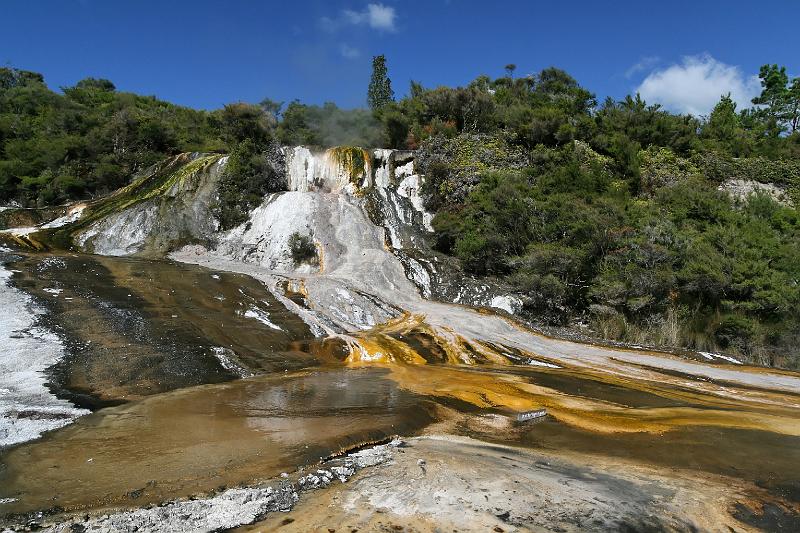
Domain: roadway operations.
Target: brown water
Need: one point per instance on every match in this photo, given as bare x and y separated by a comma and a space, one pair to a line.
197, 439
146, 331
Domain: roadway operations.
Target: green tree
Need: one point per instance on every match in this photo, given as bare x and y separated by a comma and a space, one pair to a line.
793, 106
781, 100
11, 77
723, 120
294, 127
380, 86
272, 108
723, 130
242, 121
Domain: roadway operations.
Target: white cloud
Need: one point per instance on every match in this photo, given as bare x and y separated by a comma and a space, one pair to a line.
381, 17
376, 16
348, 52
696, 85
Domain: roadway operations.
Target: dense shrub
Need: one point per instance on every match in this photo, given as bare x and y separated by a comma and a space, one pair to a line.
614, 213
302, 249
252, 171
660, 167
453, 166
685, 264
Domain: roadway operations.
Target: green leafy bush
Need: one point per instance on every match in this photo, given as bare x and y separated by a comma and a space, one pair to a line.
660, 167
454, 165
251, 172
302, 249
684, 264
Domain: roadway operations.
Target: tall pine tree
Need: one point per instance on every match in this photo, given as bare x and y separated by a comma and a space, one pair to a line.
780, 98
380, 86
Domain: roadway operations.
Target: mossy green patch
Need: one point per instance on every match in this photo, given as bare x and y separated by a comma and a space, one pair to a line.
155, 183
356, 162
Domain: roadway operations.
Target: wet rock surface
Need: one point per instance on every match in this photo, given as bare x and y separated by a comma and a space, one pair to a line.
193, 440
133, 327
229, 508
443, 483
27, 406
447, 483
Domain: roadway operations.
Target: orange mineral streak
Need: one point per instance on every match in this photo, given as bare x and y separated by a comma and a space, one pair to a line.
437, 362
320, 255
409, 339
516, 394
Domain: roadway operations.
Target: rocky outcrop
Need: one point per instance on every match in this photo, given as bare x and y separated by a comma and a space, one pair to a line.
168, 206
363, 210
339, 169
356, 205
232, 507
742, 189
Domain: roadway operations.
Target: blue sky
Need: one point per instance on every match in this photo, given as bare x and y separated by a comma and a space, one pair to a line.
207, 53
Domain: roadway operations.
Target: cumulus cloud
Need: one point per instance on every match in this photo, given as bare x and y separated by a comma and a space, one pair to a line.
348, 52
696, 84
375, 16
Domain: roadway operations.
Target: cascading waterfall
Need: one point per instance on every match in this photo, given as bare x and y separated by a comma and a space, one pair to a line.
338, 169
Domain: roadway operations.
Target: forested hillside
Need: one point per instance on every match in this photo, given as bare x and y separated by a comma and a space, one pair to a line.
88, 139
620, 217
643, 225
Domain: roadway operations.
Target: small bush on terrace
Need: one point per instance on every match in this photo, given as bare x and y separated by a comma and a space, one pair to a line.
302, 249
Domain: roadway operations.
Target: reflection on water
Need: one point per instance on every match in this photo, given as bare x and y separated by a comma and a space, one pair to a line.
197, 439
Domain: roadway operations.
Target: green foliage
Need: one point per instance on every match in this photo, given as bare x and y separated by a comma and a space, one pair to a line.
549, 108
644, 125
454, 165
468, 110
724, 131
240, 121
249, 174
295, 128
88, 140
613, 212
684, 265
660, 167
302, 249
719, 167
272, 108
380, 90
780, 98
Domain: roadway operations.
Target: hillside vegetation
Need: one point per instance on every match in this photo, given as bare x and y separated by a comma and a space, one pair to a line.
617, 216
642, 225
